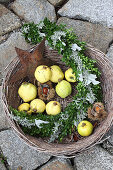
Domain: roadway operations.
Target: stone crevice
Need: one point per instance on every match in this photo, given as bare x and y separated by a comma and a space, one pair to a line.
6, 2
8, 20
110, 43
51, 158
9, 7
4, 37
21, 19
79, 18
72, 163
107, 146
58, 6
76, 18
57, 164
4, 160
4, 129
58, 3
9, 34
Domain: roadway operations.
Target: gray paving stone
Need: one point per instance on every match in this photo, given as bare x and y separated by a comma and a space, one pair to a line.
2, 167
57, 164
110, 53
99, 11
34, 11
108, 144
8, 20
3, 121
97, 159
7, 49
56, 2
97, 35
18, 153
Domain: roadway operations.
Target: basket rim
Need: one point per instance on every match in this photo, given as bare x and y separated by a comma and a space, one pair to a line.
68, 147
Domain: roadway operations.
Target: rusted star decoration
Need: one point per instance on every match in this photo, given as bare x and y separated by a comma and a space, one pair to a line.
29, 61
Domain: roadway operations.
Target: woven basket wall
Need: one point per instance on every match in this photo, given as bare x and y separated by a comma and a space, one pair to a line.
10, 98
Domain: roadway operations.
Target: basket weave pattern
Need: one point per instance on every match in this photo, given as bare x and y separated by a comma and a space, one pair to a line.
10, 98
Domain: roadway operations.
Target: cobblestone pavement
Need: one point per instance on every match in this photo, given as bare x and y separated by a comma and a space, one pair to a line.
92, 21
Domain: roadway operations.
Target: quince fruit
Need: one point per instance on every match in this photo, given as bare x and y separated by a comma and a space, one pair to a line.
53, 108
57, 74
70, 76
27, 91
37, 105
43, 73
63, 89
24, 107
85, 128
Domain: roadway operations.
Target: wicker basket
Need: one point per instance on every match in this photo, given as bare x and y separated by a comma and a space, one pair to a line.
10, 97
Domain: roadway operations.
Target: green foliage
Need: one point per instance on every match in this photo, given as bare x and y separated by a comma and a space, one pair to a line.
46, 129
33, 34
3, 158
31, 31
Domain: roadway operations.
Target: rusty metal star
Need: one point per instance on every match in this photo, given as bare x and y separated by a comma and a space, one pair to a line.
29, 62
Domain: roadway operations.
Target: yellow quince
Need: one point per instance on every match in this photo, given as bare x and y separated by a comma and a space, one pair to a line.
37, 105
27, 91
53, 108
63, 89
57, 74
43, 73
70, 76
24, 107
